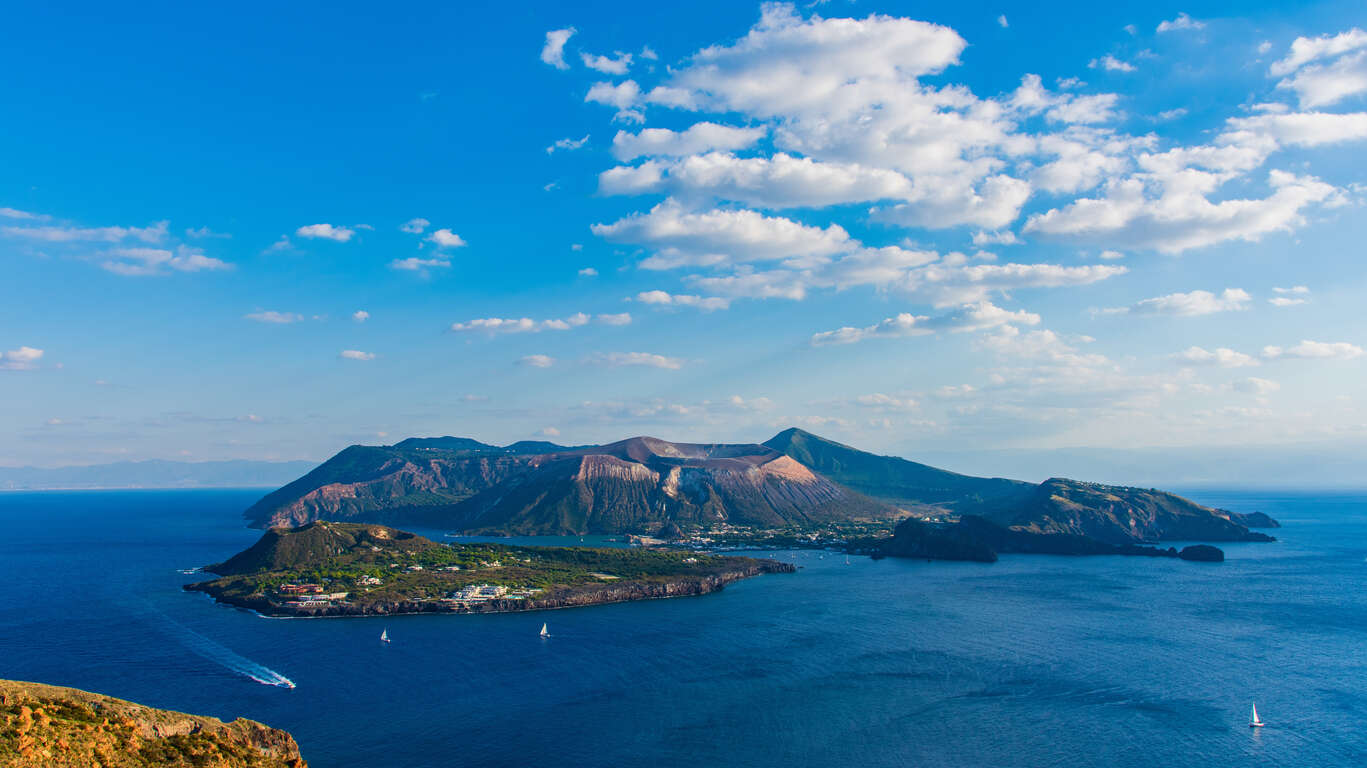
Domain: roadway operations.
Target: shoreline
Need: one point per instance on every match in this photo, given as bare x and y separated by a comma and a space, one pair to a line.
566, 597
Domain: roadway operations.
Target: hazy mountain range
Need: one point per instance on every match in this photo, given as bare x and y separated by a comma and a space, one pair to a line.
154, 474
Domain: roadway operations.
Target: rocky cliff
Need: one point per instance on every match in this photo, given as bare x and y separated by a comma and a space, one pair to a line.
45, 726
647, 485
977, 539
632, 485
1122, 515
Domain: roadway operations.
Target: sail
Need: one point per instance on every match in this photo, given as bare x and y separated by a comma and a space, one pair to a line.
1254, 717
384, 635
544, 631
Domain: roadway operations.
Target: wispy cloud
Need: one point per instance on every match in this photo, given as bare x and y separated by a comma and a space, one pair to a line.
567, 144
1183, 22
1314, 350
274, 317
139, 262
415, 226
415, 264
1111, 64
1188, 304
63, 234
1222, 357
537, 361
21, 359
647, 359
500, 325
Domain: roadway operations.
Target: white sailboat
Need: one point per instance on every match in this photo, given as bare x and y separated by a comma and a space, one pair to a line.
1253, 721
384, 635
545, 632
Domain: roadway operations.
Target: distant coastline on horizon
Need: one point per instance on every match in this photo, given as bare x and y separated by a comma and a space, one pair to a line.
861, 383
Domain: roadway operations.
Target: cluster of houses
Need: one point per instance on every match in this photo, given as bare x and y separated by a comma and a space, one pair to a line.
483, 593
309, 595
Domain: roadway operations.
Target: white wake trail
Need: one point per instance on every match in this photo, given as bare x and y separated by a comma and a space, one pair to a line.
225, 657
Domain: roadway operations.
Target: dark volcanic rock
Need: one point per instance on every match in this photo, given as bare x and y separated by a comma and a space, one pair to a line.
1255, 520
1203, 553
917, 539
978, 539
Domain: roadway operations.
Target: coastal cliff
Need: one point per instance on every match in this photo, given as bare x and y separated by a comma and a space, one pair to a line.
565, 597
47, 726
977, 539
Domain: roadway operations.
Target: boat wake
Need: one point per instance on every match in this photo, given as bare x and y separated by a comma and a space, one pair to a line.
225, 657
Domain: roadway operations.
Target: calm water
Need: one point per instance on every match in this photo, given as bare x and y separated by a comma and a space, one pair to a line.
1032, 661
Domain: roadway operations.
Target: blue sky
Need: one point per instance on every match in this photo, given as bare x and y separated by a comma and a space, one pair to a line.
978, 234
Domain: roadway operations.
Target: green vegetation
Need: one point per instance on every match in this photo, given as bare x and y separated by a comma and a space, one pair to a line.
50, 727
834, 534
377, 566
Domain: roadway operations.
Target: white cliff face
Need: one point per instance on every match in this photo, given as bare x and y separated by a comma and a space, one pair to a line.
596, 467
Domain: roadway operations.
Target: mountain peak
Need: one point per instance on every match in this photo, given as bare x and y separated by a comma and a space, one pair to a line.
641, 483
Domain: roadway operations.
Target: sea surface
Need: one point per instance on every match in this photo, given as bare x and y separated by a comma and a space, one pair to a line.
1031, 661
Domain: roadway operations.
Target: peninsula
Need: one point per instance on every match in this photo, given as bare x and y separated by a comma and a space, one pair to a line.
351, 569
47, 726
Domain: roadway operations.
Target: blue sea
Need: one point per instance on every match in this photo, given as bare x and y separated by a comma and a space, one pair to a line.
1031, 661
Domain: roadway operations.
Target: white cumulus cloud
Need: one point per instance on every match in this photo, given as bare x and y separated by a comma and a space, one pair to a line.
326, 232
553, 52
697, 138
665, 299
616, 64
445, 238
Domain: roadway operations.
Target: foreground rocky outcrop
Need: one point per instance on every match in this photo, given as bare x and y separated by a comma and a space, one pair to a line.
46, 726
